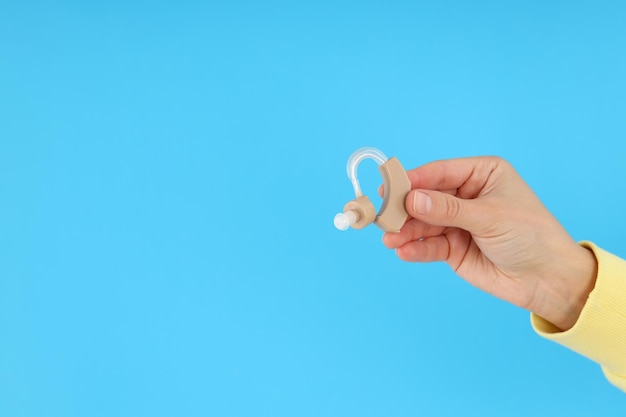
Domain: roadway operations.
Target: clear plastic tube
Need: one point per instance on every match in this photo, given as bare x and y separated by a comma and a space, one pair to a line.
354, 161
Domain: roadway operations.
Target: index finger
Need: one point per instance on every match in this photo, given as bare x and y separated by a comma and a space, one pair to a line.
464, 174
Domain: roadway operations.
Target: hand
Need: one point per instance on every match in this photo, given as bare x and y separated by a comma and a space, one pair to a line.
480, 217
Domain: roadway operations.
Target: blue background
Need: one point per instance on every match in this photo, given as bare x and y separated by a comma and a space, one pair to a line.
169, 172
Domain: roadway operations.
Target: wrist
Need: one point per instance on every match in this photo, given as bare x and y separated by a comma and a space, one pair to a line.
567, 290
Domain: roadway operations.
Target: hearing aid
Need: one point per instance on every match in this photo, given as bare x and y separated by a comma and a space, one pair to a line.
360, 212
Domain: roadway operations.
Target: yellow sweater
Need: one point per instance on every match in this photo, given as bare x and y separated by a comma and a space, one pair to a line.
600, 332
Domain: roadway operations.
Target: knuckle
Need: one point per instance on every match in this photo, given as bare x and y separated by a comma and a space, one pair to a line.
453, 208
499, 161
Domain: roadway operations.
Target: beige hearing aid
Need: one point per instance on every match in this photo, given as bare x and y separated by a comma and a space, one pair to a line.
360, 212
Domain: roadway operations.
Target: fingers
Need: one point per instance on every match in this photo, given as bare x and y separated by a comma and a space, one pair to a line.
452, 247
469, 175
431, 249
413, 229
450, 193
381, 191
442, 209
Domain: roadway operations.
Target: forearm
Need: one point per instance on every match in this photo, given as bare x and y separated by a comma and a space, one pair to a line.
600, 331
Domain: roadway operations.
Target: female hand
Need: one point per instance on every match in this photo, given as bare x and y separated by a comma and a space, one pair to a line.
480, 217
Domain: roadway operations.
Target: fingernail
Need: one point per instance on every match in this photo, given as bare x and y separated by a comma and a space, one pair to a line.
422, 203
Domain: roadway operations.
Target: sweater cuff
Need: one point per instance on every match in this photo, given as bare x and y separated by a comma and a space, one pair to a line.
599, 332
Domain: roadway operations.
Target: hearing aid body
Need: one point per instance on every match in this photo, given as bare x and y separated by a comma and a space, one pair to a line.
360, 212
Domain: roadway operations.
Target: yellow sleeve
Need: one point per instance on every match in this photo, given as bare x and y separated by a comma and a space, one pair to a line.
600, 332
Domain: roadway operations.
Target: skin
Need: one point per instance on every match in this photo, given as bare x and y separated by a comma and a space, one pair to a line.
481, 218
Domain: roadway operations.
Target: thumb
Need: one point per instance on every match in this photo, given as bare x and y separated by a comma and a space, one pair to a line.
441, 209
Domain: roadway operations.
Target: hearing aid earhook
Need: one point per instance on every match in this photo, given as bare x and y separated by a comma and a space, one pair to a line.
360, 212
